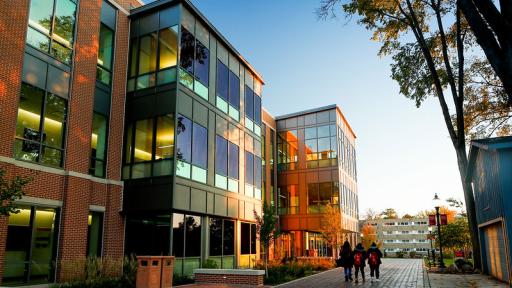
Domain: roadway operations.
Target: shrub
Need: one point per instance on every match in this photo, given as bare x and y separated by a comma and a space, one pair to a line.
211, 264
181, 280
412, 254
400, 254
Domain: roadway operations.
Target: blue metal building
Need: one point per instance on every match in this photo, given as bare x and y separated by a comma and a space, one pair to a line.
490, 173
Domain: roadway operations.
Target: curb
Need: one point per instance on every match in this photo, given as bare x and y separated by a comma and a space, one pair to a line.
302, 278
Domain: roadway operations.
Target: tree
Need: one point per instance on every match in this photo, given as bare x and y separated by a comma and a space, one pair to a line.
428, 60
407, 216
10, 191
389, 213
331, 227
458, 204
492, 28
371, 214
456, 236
267, 229
369, 235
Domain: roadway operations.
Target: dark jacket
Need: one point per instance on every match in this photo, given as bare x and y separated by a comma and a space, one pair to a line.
347, 259
363, 252
374, 249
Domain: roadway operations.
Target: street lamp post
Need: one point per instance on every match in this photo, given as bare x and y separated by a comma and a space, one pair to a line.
438, 216
432, 247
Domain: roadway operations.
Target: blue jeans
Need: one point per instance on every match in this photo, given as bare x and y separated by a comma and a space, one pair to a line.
348, 272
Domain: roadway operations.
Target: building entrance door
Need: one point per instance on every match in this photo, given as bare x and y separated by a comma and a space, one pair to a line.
31, 245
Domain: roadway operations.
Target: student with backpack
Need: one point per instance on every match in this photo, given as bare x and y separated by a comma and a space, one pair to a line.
359, 260
347, 260
374, 260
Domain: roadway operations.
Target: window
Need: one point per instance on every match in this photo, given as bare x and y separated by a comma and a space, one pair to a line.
105, 54
30, 246
141, 137
287, 150
94, 234
321, 146
222, 242
148, 234
153, 58
98, 145
40, 135
186, 243
226, 164
194, 63
248, 238
192, 156
249, 168
52, 27
321, 194
228, 91
288, 199
249, 103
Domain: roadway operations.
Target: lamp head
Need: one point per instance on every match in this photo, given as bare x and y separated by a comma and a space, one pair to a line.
436, 201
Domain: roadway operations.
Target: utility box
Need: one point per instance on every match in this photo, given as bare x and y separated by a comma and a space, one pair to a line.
154, 271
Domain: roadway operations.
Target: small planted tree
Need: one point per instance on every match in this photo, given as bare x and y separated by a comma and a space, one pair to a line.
267, 230
369, 235
331, 227
10, 191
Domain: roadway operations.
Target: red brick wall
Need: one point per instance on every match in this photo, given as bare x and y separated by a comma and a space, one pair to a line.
252, 280
83, 86
13, 27
76, 193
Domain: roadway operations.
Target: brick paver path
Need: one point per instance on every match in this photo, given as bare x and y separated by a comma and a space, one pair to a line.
393, 273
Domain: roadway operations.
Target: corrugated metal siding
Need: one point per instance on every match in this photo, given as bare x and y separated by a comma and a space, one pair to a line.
487, 186
495, 256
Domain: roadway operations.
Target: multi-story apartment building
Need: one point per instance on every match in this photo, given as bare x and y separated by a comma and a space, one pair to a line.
316, 167
142, 129
402, 235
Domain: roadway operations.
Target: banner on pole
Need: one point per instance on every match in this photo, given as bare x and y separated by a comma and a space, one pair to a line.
431, 220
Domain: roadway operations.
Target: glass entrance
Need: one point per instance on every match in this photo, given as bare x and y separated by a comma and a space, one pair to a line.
31, 245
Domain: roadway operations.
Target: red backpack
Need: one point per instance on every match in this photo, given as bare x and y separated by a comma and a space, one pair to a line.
358, 259
373, 258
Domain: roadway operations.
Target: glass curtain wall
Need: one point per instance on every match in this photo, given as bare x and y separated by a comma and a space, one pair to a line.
287, 150
321, 146
149, 147
192, 157
154, 50
288, 199
247, 245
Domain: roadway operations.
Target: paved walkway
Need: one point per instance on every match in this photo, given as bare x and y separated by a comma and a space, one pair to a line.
393, 273
435, 280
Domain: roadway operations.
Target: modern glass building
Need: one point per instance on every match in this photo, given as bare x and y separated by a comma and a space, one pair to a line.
316, 166
143, 131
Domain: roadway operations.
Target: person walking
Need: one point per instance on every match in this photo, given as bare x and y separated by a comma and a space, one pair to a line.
359, 261
347, 260
374, 260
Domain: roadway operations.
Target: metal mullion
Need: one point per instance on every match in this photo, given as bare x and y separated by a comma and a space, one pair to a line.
153, 143
28, 258
52, 26
41, 126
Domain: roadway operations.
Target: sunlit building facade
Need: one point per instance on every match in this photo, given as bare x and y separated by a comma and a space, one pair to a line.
316, 167
143, 132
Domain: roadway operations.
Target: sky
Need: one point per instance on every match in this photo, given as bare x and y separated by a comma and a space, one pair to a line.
404, 153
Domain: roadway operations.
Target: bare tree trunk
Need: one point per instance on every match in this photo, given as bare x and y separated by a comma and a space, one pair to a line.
462, 161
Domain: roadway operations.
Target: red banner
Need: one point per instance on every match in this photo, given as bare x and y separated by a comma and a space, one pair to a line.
431, 220
444, 219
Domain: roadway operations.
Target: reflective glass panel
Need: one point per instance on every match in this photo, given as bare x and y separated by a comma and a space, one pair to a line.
168, 39
200, 146
234, 90
192, 236
187, 50
249, 168
106, 46
221, 156
222, 80
40, 16
215, 237
249, 103
143, 140
98, 144
164, 137
202, 63
147, 53
55, 117
233, 160
64, 21
184, 139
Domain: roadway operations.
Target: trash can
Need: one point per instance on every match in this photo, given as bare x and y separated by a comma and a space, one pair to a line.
167, 271
149, 271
